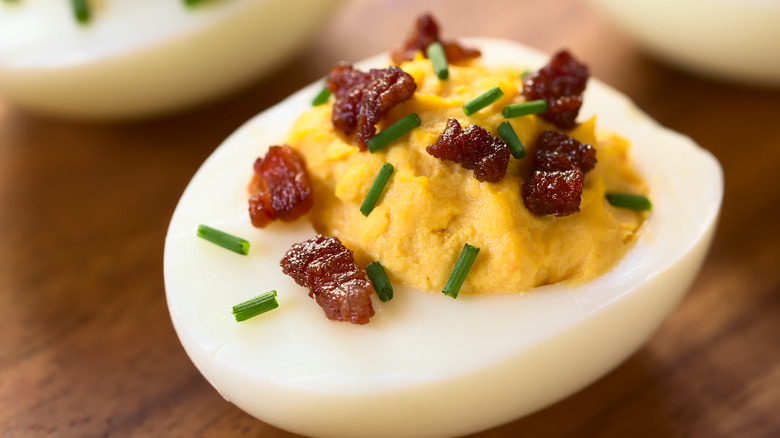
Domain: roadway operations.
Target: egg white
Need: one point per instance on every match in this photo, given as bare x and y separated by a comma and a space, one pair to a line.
139, 58
426, 365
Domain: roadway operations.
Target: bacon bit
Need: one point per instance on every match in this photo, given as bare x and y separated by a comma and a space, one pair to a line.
557, 192
561, 83
559, 166
335, 281
561, 146
425, 32
280, 187
474, 149
362, 99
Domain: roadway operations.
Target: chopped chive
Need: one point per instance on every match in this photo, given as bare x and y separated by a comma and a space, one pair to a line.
510, 137
482, 101
376, 188
438, 58
80, 10
255, 306
627, 200
193, 2
393, 132
525, 108
376, 273
461, 269
223, 239
524, 73
321, 97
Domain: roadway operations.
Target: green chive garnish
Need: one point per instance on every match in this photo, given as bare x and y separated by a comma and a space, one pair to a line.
376, 273
461, 269
80, 10
524, 73
321, 97
376, 188
193, 2
223, 239
255, 306
482, 101
510, 137
627, 200
525, 108
438, 58
393, 132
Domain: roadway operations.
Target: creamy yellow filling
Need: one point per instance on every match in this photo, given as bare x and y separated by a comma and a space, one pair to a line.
431, 208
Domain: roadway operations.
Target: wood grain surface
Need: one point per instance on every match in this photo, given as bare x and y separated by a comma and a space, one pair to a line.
86, 345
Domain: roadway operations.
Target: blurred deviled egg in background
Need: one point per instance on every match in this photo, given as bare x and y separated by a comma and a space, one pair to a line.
140, 58
736, 40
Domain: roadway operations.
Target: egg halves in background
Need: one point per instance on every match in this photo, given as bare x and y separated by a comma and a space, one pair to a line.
141, 58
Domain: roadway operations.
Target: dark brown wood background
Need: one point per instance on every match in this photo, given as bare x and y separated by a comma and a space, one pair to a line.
86, 345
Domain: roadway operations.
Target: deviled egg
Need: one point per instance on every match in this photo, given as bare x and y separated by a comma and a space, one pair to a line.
427, 365
138, 58
728, 39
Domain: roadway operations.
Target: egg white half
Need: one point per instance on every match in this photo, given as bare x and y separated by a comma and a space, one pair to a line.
426, 365
139, 58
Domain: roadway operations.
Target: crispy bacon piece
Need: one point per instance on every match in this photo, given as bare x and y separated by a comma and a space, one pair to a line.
554, 146
424, 33
558, 168
474, 149
561, 83
280, 187
362, 99
557, 192
335, 281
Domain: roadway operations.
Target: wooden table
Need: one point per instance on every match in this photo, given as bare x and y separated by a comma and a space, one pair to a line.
87, 345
